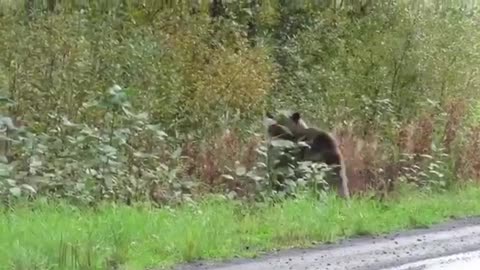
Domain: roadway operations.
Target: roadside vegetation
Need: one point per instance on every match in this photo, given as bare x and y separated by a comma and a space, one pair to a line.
159, 104
47, 235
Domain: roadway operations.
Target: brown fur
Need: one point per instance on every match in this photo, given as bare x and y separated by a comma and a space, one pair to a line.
322, 147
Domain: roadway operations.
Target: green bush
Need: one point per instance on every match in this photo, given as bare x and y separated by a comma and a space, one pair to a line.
377, 68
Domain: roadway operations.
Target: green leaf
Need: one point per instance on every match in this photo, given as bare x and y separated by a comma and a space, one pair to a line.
282, 143
228, 177
29, 188
240, 170
16, 191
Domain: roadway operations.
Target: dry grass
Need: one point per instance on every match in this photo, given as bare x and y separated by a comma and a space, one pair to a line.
208, 161
371, 163
468, 162
456, 111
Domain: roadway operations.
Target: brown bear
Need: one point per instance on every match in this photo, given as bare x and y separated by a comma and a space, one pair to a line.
318, 145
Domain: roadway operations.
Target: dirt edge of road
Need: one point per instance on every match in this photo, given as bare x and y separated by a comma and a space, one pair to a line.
450, 225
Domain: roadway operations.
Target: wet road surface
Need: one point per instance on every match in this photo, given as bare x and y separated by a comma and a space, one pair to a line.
453, 245
463, 261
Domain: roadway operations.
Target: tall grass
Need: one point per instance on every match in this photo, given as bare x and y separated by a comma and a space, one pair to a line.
58, 236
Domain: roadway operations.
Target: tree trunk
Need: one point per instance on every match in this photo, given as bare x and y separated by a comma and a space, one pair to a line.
29, 5
252, 23
51, 5
217, 9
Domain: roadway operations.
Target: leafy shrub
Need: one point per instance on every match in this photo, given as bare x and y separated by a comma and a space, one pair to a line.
121, 161
391, 79
222, 72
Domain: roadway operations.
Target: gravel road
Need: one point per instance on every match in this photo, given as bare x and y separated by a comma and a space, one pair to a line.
456, 242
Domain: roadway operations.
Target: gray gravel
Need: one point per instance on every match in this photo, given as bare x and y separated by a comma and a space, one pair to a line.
463, 261
372, 253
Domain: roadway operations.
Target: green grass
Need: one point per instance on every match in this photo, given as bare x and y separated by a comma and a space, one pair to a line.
59, 236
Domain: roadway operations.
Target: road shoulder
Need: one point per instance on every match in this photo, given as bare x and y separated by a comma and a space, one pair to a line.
366, 252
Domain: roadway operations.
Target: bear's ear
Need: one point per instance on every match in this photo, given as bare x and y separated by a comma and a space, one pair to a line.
295, 117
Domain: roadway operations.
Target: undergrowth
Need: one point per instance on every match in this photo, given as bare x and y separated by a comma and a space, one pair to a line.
396, 82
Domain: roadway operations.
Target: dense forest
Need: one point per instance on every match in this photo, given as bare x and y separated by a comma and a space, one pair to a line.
131, 100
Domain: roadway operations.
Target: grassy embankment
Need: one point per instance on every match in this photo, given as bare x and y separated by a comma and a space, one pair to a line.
57, 236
